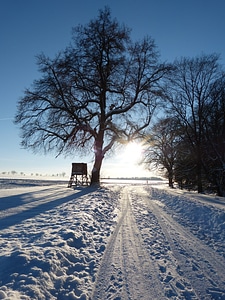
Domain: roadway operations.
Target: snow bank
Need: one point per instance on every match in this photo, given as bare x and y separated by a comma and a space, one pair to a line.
204, 215
55, 254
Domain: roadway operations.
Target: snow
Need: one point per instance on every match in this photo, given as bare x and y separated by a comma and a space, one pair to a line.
120, 241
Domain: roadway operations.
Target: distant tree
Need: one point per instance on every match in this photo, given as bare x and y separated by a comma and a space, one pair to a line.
161, 147
100, 91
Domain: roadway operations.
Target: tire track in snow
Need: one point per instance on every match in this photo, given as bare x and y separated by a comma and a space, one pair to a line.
202, 267
126, 271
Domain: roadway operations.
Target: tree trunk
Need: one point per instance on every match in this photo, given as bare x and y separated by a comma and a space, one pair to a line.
199, 177
170, 181
170, 177
95, 175
219, 180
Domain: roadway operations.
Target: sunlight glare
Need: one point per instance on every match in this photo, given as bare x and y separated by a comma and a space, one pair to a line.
133, 152
126, 164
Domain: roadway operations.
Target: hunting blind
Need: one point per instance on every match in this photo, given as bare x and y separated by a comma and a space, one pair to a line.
79, 175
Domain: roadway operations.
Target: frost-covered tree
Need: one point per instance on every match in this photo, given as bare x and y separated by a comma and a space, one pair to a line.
100, 91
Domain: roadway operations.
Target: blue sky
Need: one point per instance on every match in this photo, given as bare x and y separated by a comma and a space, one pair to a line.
29, 27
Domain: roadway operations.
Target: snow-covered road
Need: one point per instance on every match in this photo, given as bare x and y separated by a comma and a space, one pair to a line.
117, 242
187, 267
126, 270
151, 256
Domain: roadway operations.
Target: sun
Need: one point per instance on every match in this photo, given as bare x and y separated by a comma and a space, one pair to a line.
133, 152
127, 162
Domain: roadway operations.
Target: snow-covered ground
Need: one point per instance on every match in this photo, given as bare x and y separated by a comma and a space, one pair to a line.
121, 241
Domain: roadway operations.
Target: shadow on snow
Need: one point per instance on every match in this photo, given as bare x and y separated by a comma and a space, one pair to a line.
16, 209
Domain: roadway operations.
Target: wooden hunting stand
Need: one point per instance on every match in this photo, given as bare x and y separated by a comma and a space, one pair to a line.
78, 175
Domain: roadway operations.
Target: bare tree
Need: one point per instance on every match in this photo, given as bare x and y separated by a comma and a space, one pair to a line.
161, 147
188, 95
100, 91
214, 162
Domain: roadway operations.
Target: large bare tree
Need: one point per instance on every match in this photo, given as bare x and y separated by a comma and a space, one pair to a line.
100, 91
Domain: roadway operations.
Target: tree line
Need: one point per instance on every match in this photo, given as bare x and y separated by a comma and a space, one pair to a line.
188, 141
104, 90
13, 172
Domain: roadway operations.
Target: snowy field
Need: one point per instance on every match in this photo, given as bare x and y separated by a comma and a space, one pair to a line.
121, 241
